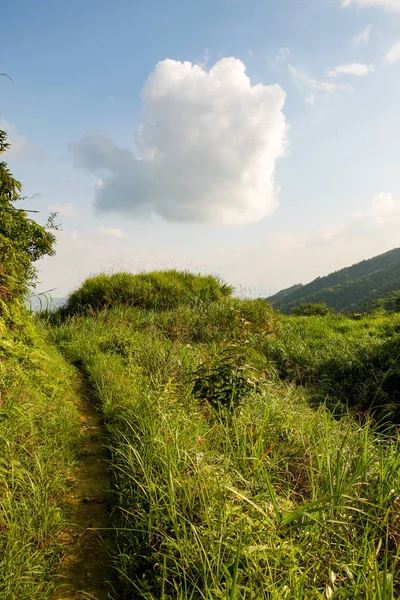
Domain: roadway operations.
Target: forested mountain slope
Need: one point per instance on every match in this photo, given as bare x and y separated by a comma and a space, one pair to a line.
349, 289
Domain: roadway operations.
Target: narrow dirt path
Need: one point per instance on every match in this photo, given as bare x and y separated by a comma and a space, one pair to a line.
85, 571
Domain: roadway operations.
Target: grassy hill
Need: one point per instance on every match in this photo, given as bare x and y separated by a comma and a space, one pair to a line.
347, 290
231, 478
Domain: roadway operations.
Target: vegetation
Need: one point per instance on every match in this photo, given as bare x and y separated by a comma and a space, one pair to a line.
347, 290
389, 303
227, 483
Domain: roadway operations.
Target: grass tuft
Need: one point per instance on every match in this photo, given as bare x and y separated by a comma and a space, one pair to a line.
159, 290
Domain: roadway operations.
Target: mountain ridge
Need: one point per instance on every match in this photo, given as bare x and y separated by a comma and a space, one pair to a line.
346, 290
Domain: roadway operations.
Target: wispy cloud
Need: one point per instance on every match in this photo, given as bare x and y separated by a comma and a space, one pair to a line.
356, 69
390, 5
112, 232
383, 208
362, 37
20, 146
393, 55
311, 86
283, 54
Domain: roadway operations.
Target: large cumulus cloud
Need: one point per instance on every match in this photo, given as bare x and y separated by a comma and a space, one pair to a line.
206, 149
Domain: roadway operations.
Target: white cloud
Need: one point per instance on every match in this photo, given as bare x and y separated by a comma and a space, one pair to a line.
390, 5
393, 55
283, 54
113, 232
356, 69
20, 147
65, 210
311, 87
207, 148
363, 36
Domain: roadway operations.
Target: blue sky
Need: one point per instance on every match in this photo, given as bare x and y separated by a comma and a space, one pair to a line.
269, 169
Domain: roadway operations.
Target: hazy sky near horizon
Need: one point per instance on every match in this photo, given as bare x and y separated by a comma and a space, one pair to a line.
256, 139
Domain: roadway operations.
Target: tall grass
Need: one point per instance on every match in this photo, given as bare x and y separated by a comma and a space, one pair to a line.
38, 440
272, 499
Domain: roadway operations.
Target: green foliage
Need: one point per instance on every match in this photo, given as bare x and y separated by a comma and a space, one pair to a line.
347, 290
159, 290
22, 240
312, 309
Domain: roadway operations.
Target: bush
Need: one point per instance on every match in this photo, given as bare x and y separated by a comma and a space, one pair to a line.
159, 290
309, 309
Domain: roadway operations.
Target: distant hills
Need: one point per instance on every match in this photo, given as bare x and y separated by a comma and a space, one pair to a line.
348, 290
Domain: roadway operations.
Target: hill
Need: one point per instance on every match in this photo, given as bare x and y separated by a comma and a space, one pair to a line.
347, 290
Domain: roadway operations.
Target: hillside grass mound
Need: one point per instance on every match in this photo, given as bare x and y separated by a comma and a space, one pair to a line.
39, 438
159, 290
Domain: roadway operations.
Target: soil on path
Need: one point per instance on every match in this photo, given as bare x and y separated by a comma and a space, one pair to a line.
85, 572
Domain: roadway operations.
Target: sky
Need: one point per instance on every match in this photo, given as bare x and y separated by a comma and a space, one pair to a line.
254, 139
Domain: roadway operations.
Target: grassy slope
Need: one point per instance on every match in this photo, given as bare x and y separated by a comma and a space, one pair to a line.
274, 500
349, 289
38, 438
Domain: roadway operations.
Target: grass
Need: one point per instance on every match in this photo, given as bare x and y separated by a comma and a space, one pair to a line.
350, 363
260, 497
38, 441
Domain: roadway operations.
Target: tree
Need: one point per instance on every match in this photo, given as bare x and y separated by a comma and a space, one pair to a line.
309, 309
22, 240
